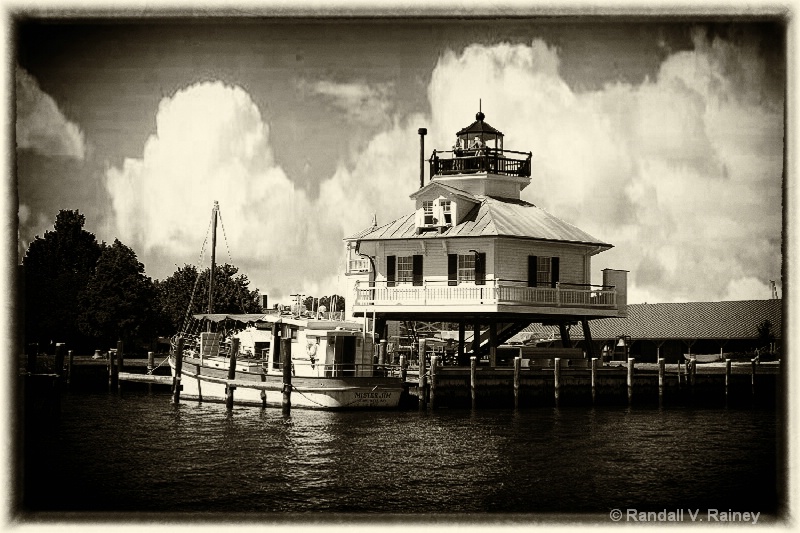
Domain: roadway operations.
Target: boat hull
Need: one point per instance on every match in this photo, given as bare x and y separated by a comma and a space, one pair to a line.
205, 383
703, 358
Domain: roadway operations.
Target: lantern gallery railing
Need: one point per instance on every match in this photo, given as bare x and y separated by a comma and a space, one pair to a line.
444, 162
494, 292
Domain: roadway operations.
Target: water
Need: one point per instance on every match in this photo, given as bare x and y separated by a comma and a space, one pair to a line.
138, 453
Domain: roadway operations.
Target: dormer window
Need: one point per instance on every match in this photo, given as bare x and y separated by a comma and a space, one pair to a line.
427, 209
447, 215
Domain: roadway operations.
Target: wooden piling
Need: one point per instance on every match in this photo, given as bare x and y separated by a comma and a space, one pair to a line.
461, 336
59, 360
69, 366
679, 373
120, 364
30, 362
263, 392
517, 367
286, 359
231, 374
423, 400
727, 376
112, 367
753, 376
473, 368
692, 371
151, 360
434, 364
403, 369
594, 377
661, 369
177, 353
557, 377
631, 366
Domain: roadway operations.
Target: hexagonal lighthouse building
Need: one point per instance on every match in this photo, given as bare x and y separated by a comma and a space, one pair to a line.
473, 253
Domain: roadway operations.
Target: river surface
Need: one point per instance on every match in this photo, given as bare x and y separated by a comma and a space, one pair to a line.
136, 455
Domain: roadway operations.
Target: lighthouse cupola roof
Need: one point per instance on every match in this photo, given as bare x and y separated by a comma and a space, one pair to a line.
481, 129
479, 163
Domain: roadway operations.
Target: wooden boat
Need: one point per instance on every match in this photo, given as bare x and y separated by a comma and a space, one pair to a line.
704, 358
331, 361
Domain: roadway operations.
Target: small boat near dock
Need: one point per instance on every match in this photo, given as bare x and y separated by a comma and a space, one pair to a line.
276, 359
331, 364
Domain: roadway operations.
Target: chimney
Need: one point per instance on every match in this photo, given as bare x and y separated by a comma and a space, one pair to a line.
422, 132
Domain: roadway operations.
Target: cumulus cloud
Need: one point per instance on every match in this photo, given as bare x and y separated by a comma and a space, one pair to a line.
211, 144
41, 126
682, 172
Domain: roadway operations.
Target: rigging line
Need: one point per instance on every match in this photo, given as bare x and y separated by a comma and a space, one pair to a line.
188, 314
239, 294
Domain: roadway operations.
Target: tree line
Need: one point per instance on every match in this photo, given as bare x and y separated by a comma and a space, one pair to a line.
90, 294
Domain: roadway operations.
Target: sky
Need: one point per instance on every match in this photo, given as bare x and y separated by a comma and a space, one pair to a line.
663, 137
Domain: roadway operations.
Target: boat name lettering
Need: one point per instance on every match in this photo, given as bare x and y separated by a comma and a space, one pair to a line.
371, 395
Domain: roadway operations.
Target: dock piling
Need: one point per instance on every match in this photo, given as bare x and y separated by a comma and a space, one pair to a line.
594, 377
231, 374
434, 364
517, 367
631, 366
692, 372
661, 370
557, 377
59, 360
112, 368
403, 369
150, 367
286, 359
177, 353
421, 387
69, 366
727, 377
473, 368
120, 364
753, 376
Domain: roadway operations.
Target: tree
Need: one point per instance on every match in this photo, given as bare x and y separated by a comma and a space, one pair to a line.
57, 267
118, 302
313, 303
186, 286
765, 336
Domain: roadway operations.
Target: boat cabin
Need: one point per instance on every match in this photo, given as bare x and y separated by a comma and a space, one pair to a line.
319, 348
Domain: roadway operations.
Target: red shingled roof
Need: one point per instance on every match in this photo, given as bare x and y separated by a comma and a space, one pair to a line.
692, 320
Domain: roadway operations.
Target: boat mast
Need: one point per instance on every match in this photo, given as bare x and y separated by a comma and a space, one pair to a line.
214, 212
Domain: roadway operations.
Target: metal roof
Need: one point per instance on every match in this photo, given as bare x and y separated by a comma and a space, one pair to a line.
492, 217
479, 126
691, 320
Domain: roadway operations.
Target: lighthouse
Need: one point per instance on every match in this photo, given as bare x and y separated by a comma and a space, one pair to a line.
472, 252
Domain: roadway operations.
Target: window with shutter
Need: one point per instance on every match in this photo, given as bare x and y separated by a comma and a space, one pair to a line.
480, 269
390, 270
416, 278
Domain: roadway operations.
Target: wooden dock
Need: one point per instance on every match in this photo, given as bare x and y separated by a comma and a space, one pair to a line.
709, 383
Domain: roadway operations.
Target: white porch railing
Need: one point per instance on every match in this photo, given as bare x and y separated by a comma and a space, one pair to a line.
494, 292
358, 265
